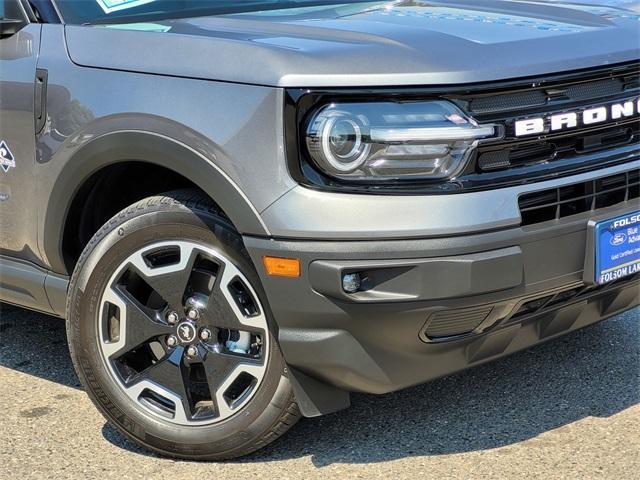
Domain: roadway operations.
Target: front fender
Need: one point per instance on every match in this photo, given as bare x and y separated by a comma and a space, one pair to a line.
87, 153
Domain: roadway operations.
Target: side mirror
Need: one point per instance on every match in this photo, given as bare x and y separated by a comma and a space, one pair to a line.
9, 27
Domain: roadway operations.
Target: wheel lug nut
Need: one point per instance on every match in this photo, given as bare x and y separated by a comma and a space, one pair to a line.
205, 334
192, 351
172, 318
193, 314
172, 341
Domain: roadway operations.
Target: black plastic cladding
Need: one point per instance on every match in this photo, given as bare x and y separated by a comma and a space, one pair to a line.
299, 103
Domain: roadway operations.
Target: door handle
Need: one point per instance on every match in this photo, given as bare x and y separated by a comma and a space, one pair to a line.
40, 101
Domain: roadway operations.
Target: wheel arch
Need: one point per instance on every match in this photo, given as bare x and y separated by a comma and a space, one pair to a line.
98, 155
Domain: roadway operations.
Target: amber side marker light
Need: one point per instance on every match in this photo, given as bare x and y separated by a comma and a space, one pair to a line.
282, 267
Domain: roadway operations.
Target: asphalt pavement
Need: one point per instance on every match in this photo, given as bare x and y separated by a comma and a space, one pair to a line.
566, 409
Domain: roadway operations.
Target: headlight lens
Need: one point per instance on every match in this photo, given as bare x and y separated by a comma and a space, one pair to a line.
342, 144
392, 140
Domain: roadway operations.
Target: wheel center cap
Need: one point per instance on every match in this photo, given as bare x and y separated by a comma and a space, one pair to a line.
187, 332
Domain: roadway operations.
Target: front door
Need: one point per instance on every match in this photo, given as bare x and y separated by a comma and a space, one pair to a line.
18, 55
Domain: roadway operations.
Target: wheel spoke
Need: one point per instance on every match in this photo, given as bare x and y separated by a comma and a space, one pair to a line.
170, 373
169, 282
219, 312
222, 310
137, 325
221, 369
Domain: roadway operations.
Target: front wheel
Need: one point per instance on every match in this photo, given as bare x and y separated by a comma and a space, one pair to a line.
170, 335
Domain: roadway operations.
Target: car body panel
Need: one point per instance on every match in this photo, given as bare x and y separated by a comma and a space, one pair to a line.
306, 213
369, 44
18, 216
209, 145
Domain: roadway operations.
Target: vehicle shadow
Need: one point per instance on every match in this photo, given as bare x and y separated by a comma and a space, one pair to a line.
35, 344
594, 372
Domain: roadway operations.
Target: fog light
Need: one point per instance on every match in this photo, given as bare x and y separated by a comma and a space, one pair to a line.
351, 282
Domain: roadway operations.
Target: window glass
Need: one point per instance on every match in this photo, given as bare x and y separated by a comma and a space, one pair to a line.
123, 11
10, 10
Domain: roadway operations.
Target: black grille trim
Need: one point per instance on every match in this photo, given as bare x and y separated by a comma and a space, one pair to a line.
552, 148
544, 95
513, 154
589, 196
540, 97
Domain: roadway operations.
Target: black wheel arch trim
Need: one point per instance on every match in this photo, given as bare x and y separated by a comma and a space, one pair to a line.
142, 146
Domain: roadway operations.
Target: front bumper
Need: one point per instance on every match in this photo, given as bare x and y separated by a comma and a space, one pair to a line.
498, 292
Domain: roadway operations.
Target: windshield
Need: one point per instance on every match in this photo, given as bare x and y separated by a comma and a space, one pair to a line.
125, 11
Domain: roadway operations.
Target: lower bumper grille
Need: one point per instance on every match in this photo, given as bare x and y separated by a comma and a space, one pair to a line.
556, 203
557, 300
446, 325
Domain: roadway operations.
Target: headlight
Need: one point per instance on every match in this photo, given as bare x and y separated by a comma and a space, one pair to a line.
389, 140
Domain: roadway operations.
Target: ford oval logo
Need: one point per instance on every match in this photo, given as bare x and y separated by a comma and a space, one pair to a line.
618, 239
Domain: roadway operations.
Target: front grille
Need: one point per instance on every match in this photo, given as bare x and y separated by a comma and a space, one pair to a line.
575, 144
556, 203
566, 150
502, 102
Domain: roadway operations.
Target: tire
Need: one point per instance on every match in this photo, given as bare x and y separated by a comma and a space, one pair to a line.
227, 396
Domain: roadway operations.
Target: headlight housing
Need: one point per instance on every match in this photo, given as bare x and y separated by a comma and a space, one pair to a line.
384, 141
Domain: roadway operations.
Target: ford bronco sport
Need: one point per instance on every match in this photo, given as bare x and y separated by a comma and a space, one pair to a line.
247, 210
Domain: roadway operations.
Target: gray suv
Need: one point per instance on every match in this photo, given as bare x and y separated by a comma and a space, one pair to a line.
247, 210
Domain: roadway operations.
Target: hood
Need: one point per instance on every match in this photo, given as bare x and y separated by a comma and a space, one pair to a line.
406, 42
